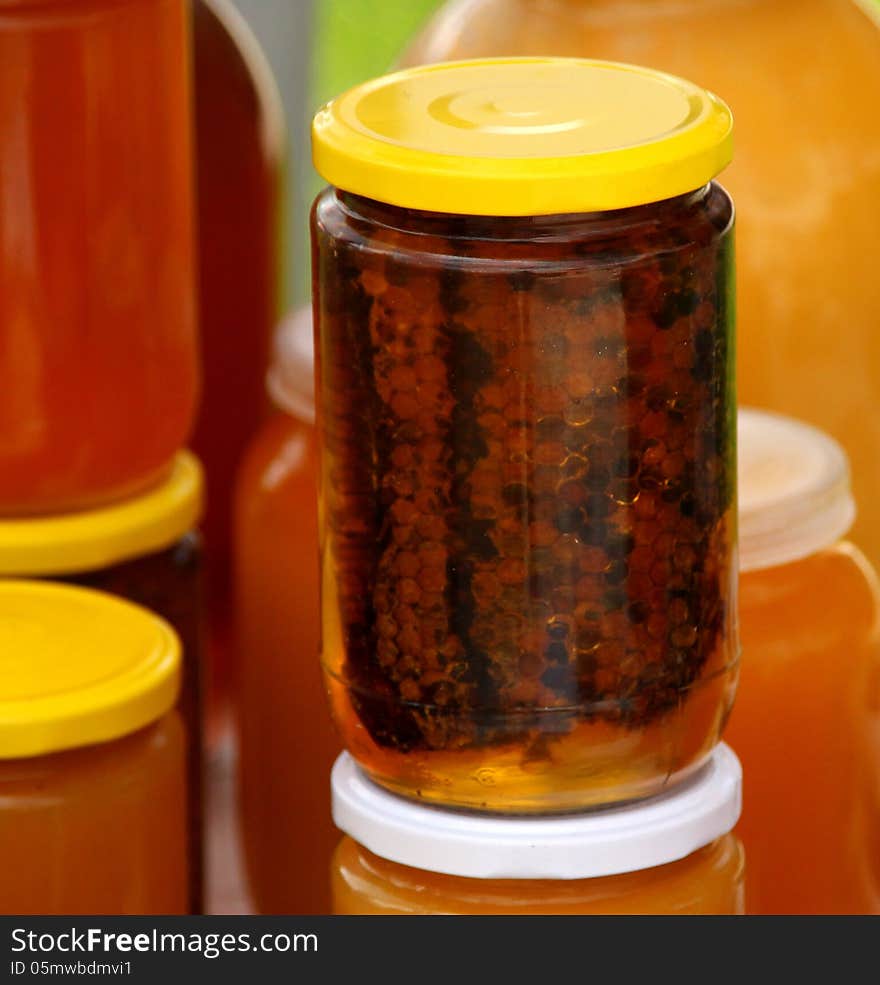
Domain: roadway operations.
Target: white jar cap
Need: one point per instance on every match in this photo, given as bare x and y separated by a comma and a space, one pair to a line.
794, 490
291, 377
602, 842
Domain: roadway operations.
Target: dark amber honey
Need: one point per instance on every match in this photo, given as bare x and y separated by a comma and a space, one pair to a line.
710, 881
527, 494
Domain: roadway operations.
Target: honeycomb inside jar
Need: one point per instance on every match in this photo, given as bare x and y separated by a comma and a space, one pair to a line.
527, 497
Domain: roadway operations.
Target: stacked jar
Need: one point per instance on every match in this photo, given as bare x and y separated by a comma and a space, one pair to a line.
524, 312
92, 755
810, 612
99, 361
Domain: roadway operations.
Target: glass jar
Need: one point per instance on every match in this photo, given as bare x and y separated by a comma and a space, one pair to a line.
97, 314
810, 612
670, 855
92, 761
801, 177
240, 136
528, 587
146, 550
286, 740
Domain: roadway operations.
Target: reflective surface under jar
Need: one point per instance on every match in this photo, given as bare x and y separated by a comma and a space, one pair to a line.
528, 589
710, 881
100, 829
98, 347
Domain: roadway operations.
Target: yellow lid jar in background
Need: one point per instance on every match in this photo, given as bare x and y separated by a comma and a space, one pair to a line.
147, 550
524, 304
92, 758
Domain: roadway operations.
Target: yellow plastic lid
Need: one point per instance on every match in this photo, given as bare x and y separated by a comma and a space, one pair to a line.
79, 667
522, 136
75, 543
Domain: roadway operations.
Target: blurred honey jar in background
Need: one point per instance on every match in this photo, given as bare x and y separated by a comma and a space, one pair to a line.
240, 136
673, 854
803, 80
147, 550
524, 301
92, 756
98, 347
806, 723
286, 739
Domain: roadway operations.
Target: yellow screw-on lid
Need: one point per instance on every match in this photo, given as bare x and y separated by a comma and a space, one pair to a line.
75, 543
523, 136
79, 667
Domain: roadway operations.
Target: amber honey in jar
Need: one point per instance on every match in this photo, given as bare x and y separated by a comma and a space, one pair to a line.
287, 743
147, 550
524, 305
98, 345
673, 854
92, 755
806, 718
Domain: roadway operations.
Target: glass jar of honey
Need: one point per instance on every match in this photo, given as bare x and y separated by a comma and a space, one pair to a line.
808, 709
92, 760
523, 295
286, 739
98, 352
673, 854
146, 550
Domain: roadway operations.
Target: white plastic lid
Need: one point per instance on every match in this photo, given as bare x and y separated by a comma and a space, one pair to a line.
575, 846
291, 377
794, 490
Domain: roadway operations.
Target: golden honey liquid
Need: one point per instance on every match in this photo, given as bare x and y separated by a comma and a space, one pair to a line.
708, 881
595, 763
806, 726
97, 830
803, 80
287, 742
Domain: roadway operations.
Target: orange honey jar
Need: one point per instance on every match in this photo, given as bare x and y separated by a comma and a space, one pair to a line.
807, 718
92, 757
98, 347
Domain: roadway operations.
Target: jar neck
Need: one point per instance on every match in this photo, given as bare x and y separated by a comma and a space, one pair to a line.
545, 228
